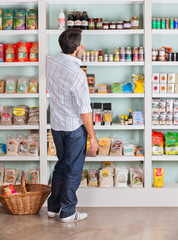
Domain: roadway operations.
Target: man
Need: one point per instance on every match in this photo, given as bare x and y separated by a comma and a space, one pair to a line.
71, 119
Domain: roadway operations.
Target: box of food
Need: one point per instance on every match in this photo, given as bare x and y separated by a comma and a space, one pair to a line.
138, 118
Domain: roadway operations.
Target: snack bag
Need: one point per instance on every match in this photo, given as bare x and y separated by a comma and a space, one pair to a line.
33, 85
7, 19
1, 52
23, 146
51, 148
171, 143
139, 83
116, 147
10, 85
127, 88
34, 52
136, 177
19, 19
2, 86
106, 178
23, 51
104, 146
139, 152
10, 176
1, 172
89, 151
33, 176
157, 143
22, 85
19, 116
2, 149
33, 146
128, 148
6, 117
0, 19
10, 52
32, 19
10, 190
121, 176
12, 146
84, 179
93, 178
117, 87
158, 177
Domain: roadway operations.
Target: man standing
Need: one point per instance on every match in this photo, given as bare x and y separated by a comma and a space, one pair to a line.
71, 119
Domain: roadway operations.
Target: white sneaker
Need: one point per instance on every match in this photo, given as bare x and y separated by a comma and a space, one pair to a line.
75, 217
52, 214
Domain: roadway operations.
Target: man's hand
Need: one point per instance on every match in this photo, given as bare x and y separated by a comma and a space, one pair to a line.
80, 51
94, 144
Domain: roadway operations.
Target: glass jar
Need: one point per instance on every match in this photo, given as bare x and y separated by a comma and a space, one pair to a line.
92, 56
105, 25
99, 23
112, 26
105, 58
128, 54
116, 54
100, 56
120, 25
141, 54
91, 24
135, 54
96, 57
135, 23
122, 54
161, 54
154, 54
110, 57
127, 24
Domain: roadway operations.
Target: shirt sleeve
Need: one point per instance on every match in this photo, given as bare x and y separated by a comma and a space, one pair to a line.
81, 95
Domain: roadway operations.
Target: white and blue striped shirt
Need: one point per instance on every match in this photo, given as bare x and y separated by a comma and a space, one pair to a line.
68, 89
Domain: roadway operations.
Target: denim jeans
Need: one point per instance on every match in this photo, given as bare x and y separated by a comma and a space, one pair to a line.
71, 150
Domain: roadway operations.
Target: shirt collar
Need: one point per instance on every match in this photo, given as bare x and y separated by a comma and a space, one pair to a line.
71, 58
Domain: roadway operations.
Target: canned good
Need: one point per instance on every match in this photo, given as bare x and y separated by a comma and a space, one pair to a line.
154, 23
110, 57
141, 54
169, 57
167, 23
84, 56
171, 23
87, 56
175, 23
96, 56
105, 58
174, 57
135, 54
161, 54
158, 23
163, 23
154, 54
92, 56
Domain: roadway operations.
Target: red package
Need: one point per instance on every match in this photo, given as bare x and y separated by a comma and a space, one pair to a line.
23, 51
1, 52
33, 52
157, 138
10, 52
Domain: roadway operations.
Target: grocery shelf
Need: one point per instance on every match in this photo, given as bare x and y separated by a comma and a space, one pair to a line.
165, 158
19, 95
18, 32
165, 1
100, 32
18, 1
18, 127
19, 64
165, 95
19, 158
114, 64
164, 31
114, 95
106, 158
166, 127
158, 63
95, 2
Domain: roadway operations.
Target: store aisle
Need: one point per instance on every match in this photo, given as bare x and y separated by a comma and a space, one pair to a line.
102, 224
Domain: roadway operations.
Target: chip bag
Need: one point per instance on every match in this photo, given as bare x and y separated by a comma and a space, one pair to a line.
7, 19
157, 143
158, 177
171, 143
32, 19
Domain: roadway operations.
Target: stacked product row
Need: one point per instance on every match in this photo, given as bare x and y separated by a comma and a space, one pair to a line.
164, 54
165, 23
18, 19
19, 52
21, 145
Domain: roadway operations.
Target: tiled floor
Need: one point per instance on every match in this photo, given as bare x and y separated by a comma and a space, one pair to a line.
102, 224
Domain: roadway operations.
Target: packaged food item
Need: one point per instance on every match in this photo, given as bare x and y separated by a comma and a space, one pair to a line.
155, 106
1, 173
127, 88
93, 178
7, 19
84, 179
108, 164
106, 178
91, 88
34, 52
158, 177
121, 176
155, 119
138, 81
23, 51
163, 88
102, 88
128, 148
139, 152
162, 119
136, 177
104, 146
10, 85
22, 146
12, 146
163, 78
10, 52
156, 87
33, 85
19, 116
32, 19
6, 117
117, 87
138, 118
2, 149
155, 78
22, 85
171, 77
107, 114
33, 176
157, 143
51, 148
171, 143
19, 19
0, 19
116, 147
91, 79
33, 146
1, 52
89, 152
10, 176
169, 119
2, 86
33, 116
10, 190
170, 88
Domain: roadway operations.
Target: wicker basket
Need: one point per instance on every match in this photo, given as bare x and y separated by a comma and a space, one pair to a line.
30, 199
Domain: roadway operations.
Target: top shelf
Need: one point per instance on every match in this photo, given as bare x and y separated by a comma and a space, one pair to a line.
165, 1
2, 2
95, 2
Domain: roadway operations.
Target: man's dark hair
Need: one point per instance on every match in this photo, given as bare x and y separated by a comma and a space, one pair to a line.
69, 40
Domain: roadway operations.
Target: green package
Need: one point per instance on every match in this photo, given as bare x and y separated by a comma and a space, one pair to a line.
32, 19
7, 19
116, 87
19, 19
171, 143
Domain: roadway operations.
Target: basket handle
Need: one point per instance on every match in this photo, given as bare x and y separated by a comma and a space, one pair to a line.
23, 183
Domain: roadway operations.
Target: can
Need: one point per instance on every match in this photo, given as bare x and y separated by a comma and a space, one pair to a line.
169, 57
84, 57
96, 56
163, 23
174, 57
171, 23
92, 56
154, 54
161, 54
153, 23
158, 23
175, 23
167, 23
87, 56
110, 57
141, 54
105, 58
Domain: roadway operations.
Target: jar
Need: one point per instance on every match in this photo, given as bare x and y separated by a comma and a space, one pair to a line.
163, 23
161, 54
99, 23
110, 57
135, 54
169, 57
153, 54
100, 56
105, 25
112, 26
105, 58
116, 54
128, 54
174, 56
91, 24
171, 23
153, 23
158, 23
84, 56
175, 23
167, 23
91, 79
122, 54
87, 56
141, 54
92, 56
135, 23
84, 68
127, 24
96, 56
120, 25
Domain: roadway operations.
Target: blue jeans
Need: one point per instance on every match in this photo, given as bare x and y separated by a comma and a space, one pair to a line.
71, 150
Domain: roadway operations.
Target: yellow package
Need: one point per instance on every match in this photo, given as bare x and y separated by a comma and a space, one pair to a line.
158, 177
139, 83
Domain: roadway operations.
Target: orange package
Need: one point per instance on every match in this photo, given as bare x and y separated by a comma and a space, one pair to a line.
157, 143
34, 52
10, 52
23, 51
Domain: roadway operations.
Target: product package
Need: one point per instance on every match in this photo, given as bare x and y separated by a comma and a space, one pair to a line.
171, 143
155, 87
84, 179
33, 85
89, 152
138, 118
121, 176
51, 145
102, 88
33, 176
19, 116
23, 51
0, 19
117, 87
7, 19
157, 143
2, 149
10, 176
106, 178
10, 85
139, 152
23, 146
1, 52
155, 78
33, 116
12, 146
32, 19
163, 78
136, 177
33, 146
9, 190
1, 174
163, 88
158, 177
6, 117
171, 77
128, 148
116, 147
33, 52
10, 52
22, 85
93, 178
19, 19
104, 146
127, 88
138, 81
2, 86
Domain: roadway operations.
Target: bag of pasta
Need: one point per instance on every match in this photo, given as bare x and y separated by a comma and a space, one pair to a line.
116, 147
93, 178
104, 146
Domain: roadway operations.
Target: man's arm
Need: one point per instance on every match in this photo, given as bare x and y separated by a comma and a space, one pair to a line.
88, 123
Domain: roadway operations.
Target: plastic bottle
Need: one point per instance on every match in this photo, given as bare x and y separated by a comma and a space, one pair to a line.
61, 20
122, 119
78, 19
100, 56
70, 20
130, 118
84, 24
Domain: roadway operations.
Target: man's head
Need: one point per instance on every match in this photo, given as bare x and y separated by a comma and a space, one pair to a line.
70, 41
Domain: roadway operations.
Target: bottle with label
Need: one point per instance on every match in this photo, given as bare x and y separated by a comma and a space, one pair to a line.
128, 54
130, 118
61, 20
135, 54
77, 23
116, 54
126, 119
100, 56
84, 24
122, 119
122, 54
70, 20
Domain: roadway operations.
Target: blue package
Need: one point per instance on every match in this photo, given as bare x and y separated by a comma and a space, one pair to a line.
127, 87
2, 149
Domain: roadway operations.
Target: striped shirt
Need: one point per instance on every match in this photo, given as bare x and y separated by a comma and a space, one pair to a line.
69, 93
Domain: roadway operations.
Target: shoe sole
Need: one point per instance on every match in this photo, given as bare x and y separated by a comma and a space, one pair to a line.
72, 220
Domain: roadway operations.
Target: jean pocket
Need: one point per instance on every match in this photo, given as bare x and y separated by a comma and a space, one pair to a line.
76, 133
